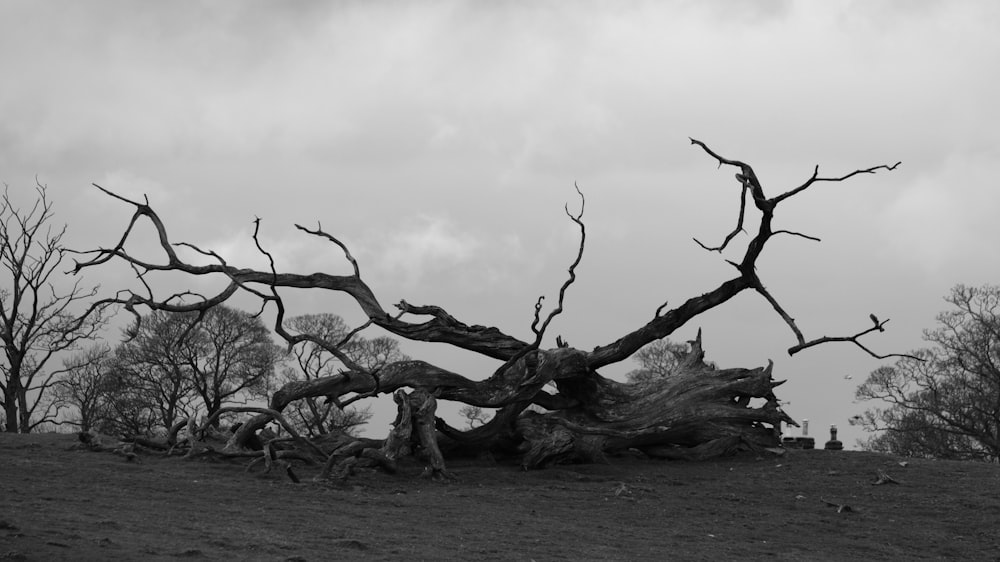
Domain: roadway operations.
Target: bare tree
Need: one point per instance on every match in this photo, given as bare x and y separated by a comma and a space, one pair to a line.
84, 387
222, 356
150, 370
313, 358
320, 416
657, 359
474, 416
228, 356
315, 415
104, 397
947, 404
131, 405
698, 412
39, 316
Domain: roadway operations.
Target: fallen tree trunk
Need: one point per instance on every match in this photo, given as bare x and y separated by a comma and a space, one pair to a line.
697, 413
552, 404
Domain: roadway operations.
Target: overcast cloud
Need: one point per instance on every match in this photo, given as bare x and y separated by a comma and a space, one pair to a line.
441, 140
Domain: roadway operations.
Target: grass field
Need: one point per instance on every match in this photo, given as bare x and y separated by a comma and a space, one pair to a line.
61, 503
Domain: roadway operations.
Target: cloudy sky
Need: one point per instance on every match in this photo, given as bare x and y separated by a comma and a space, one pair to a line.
441, 140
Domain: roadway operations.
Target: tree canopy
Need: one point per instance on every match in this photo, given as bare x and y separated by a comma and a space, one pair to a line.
657, 359
39, 316
171, 366
944, 402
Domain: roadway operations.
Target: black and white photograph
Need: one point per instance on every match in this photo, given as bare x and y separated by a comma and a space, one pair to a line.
499, 280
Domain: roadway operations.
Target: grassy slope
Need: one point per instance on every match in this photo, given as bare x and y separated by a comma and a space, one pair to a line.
57, 503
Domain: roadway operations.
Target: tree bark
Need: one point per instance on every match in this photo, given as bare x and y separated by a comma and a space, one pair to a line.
697, 412
10, 406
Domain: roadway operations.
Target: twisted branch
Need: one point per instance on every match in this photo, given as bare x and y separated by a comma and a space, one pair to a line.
664, 323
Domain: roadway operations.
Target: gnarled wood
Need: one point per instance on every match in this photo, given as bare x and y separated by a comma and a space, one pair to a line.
696, 406
696, 413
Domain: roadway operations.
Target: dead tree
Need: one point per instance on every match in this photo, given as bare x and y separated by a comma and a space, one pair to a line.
38, 314
698, 413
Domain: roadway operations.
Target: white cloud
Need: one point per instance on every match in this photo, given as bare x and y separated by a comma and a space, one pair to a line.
925, 225
946, 217
423, 246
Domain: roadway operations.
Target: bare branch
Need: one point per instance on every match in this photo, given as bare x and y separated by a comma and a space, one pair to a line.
347, 253
578, 219
273, 414
659, 309
815, 178
720, 159
879, 327
739, 222
234, 281
375, 391
537, 316
664, 323
37, 321
443, 328
806, 236
279, 327
347, 337
759, 287
803, 344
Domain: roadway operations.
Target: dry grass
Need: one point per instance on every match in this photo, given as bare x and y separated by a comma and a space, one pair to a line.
57, 503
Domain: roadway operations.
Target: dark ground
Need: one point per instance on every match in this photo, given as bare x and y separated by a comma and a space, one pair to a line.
57, 503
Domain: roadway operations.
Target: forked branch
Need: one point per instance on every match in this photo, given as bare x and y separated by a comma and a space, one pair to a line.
664, 323
815, 178
739, 223
334, 349
539, 331
443, 328
879, 327
347, 253
578, 219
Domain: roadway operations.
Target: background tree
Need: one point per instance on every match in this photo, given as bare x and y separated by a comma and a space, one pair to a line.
228, 356
39, 316
176, 360
129, 406
84, 387
320, 416
150, 371
105, 397
167, 365
948, 405
658, 359
474, 416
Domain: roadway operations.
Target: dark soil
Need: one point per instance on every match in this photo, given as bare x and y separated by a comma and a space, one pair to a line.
62, 503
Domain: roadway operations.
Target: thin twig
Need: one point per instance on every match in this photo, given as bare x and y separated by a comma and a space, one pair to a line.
347, 253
